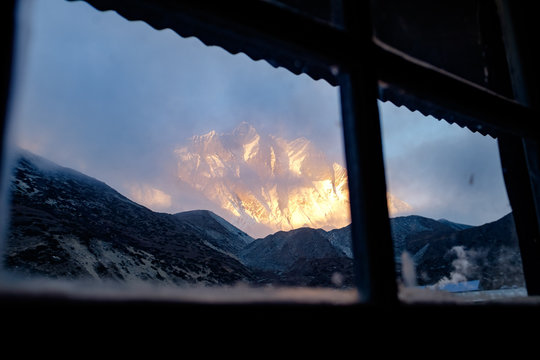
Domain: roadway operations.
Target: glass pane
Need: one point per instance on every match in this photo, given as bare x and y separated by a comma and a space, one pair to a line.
141, 157
451, 220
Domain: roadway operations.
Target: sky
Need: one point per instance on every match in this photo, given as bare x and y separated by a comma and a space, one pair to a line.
442, 170
113, 99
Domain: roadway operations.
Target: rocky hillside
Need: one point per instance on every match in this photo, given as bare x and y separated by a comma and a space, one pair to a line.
304, 256
488, 253
215, 231
68, 225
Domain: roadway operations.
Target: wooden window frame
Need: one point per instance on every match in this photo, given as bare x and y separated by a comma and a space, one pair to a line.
351, 58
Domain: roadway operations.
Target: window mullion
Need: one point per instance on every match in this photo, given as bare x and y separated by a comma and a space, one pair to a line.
519, 154
372, 241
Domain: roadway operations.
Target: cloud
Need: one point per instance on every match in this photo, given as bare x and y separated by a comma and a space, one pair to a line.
150, 197
445, 171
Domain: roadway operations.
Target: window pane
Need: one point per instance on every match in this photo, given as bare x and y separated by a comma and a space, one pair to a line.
143, 157
451, 221
461, 37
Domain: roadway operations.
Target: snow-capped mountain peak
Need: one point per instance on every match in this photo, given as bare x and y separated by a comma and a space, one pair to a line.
261, 179
265, 183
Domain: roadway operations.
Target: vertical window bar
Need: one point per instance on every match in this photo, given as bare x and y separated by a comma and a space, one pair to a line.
520, 156
7, 18
7, 10
372, 242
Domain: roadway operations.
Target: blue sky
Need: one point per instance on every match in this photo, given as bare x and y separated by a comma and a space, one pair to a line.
441, 169
114, 98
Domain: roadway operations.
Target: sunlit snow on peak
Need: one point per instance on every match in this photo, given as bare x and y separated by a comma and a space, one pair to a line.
265, 183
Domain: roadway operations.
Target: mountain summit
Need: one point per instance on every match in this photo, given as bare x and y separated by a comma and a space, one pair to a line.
265, 183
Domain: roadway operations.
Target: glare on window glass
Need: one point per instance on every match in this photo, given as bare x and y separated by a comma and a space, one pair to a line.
140, 156
451, 221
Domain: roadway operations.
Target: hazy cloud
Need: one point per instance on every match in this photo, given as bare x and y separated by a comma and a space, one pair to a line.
443, 171
150, 197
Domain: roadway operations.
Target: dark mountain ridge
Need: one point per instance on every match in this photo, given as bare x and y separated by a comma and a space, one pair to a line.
65, 224
488, 253
407, 229
216, 231
280, 250
304, 256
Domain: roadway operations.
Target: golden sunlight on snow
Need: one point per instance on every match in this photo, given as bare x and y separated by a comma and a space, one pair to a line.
265, 183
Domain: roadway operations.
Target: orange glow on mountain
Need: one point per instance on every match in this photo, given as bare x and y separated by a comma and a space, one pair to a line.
265, 183
397, 206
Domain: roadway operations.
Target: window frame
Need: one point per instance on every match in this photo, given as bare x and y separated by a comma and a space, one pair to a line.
351, 58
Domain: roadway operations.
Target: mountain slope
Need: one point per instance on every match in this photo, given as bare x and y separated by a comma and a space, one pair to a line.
445, 252
407, 229
216, 231
67, 225
280, 250
488, 253
341, 240
305, 256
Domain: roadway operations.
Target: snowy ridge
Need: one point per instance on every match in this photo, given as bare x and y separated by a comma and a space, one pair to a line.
266, 182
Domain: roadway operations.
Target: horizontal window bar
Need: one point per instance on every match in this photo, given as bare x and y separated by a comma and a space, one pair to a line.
465, 103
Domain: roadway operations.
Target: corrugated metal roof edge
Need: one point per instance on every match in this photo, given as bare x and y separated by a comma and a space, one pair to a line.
387, 94
229, 42
315, 71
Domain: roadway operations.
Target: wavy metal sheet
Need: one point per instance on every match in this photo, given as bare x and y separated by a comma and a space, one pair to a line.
213, 35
